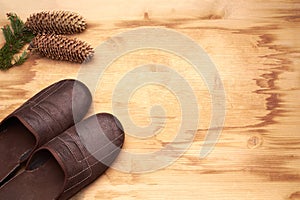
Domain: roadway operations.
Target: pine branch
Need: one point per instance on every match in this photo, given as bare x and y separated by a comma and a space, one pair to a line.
16, 36
21, 59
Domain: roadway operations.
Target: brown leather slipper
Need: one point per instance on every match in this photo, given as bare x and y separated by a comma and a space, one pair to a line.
69, 162
41, 118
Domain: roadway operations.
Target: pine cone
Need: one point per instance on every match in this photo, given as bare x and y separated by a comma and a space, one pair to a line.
60, 47
59, 22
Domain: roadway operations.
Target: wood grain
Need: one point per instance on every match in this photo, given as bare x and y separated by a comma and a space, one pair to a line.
255, 46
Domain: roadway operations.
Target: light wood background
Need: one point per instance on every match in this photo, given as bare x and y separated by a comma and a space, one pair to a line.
255, 46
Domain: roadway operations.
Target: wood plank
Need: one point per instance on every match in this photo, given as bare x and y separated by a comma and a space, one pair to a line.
256, 50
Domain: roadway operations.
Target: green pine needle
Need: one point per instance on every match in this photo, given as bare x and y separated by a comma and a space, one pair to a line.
21, 59
16, 37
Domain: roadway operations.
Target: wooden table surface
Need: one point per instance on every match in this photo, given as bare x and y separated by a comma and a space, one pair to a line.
255, 47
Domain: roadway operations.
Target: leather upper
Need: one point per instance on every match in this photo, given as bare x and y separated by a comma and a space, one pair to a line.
54, 109
85, 151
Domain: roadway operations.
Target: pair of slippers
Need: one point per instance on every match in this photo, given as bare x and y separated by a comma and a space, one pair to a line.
61, 155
